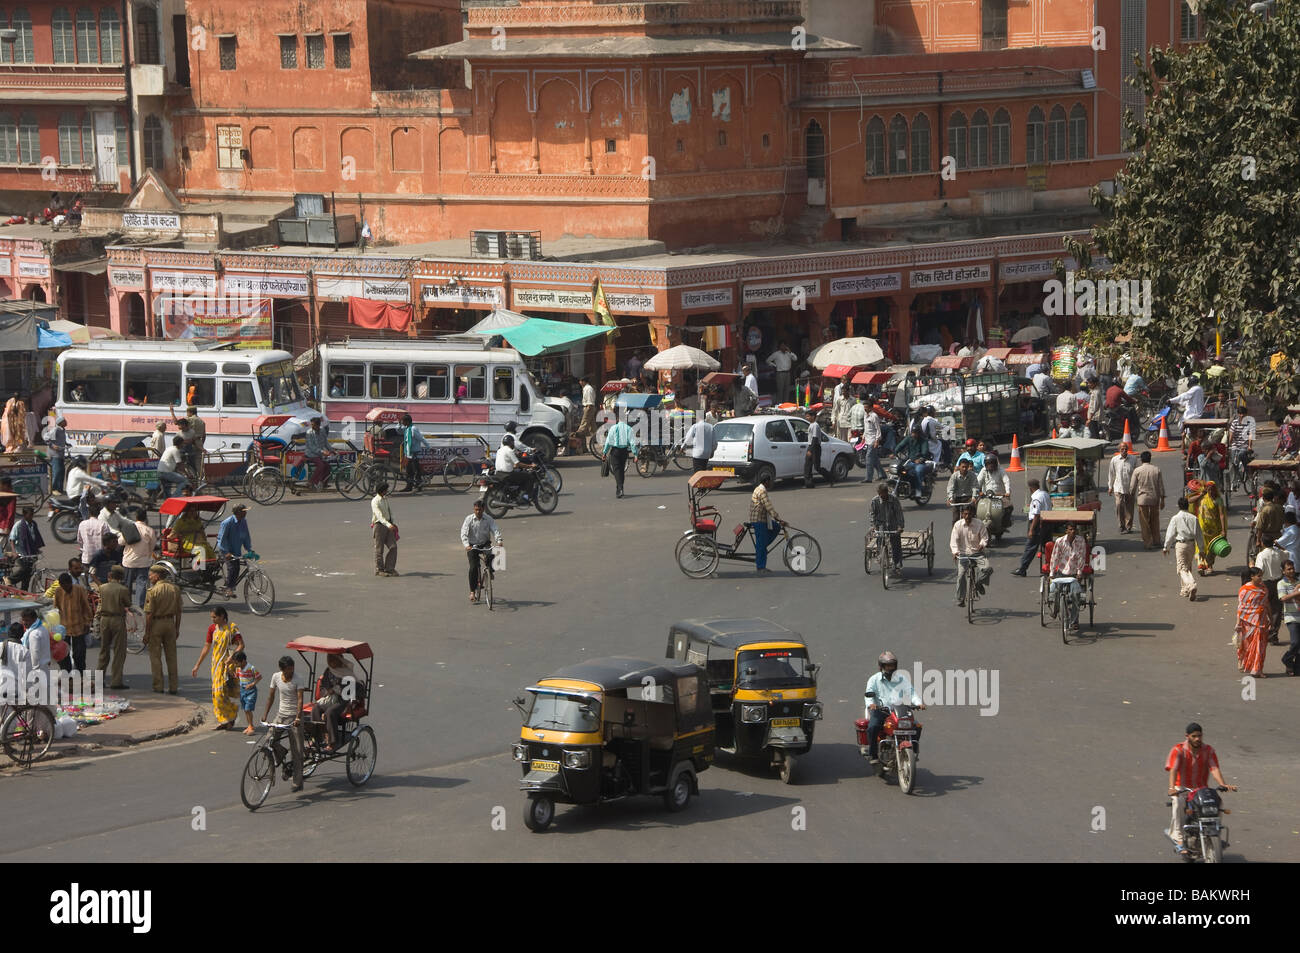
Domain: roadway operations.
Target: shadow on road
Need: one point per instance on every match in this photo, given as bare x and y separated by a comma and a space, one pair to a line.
1119, 630
642, 813
514, 605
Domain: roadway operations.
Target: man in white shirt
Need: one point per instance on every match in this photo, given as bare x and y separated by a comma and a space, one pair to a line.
1042, 384
1119, 485
170, 468
813, 455
969, 538
930, 433
1191, 400
79, 479
994, 481
1269, 562
588, 425
751, 382
1067, 404
509, 466
700, 441
137, 556
1069, 556
477, 531
1039, 503
1241, 436
385, 532
782, 359
288, 688
90, 533
871, 436
1182, 534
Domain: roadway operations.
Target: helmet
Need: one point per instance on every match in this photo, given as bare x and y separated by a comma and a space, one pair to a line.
512, 427
79, 462
970, 443
887, 658
508, 440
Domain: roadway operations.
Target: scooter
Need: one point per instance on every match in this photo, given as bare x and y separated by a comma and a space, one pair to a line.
899, 746
1204, 834
994, 513
1171, 417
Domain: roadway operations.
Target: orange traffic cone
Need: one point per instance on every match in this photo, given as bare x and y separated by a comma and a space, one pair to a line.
1162, 445
1053, 433
1015, 466
1128, 437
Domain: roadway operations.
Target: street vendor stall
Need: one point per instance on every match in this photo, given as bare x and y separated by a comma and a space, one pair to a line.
971, 406
1071, 476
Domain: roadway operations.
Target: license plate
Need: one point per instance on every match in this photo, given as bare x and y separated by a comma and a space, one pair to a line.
904, 734
785, 722
550, 766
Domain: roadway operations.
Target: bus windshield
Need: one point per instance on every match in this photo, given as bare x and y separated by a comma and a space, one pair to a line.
277, 384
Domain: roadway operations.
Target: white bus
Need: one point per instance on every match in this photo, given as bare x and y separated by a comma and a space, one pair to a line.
128, 386
452, 383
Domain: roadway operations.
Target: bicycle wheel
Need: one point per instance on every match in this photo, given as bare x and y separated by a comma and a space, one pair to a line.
1042, 601
259, 592
42, 579
259, 775
1065, 617
596, 448
197, 591
682, 460
347, 482
362, 755
266, 486
64, 526
1092, 599
27, 731
971, 595
646, 464
886, 562
697, 555
134, 630
801, 554
458, 474
485, 577
554, 479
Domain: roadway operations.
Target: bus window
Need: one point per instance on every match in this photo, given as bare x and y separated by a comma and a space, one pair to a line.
153, 382
237, 394
236, 370
503, 384
278, 385
525, 399
347, 380
388, 381
200, 391
92, 382
471, 382
430, 382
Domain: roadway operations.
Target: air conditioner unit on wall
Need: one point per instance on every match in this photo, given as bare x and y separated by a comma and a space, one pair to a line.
486, 243
523, 245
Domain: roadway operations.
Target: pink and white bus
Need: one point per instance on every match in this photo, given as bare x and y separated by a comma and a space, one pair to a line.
128, 386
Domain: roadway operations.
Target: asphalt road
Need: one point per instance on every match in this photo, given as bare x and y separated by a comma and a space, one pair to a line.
1069, 768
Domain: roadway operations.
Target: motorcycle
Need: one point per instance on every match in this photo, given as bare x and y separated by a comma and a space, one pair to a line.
899, 746
1171, 417
903, 488
553, 476
1204, 834
66, 513
995, 513
499, 497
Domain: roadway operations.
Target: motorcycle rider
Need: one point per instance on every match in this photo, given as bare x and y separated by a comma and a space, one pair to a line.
891, 687
1190, 765
994, 481
510, 469
913, 461
975, 454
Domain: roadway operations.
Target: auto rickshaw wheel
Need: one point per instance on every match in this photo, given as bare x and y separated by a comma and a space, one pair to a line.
678, 794
538, 813
788, 761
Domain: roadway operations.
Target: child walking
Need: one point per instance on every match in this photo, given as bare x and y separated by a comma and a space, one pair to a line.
248, 676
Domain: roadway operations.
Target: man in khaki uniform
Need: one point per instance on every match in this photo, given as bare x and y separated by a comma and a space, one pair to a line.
1148, 489
114, 597
162, 623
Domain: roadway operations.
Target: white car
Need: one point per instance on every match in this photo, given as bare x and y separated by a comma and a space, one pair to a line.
750, 446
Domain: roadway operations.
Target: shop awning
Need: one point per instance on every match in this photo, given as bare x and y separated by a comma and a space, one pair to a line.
18, 332
48, 339
537, 336
86, 266
497, 321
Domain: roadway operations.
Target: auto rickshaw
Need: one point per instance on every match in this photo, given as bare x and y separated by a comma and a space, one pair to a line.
609, 728
1071, 477
762, 686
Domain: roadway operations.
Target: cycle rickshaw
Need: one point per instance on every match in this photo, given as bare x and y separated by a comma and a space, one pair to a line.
191, 561
1071, 477
26, 730
381, 461
1051, 599
655, 453
356, 746
277, 464
29, 472
699, 550
919, 543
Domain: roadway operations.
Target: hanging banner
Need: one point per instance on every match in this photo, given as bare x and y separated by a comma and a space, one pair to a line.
216, 319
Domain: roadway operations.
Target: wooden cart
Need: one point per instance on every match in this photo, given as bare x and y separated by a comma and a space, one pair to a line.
918, 543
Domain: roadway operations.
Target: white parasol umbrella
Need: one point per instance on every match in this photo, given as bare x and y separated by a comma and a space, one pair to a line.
851, 351
1031, 333
683, 357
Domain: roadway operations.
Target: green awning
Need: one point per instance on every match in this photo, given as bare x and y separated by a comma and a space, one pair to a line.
538, 336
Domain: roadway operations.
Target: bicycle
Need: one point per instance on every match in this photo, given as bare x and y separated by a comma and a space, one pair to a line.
27, 732
967, 585
1066, 605
483, 592
259, 771
885, 553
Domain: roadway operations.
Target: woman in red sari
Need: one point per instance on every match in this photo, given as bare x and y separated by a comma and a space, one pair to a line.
1252, 623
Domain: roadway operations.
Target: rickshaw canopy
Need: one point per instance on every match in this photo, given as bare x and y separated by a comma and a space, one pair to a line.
1209, 423
122, 442
616, 387
733, 633
176, 505
271, 420
385, 415
621, 672
873, 377
315, 643
709, 479
837, 371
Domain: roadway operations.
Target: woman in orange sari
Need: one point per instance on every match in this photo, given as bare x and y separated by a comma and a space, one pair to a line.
1252, 623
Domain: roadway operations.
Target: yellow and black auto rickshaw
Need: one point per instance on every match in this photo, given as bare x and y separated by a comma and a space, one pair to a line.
762, 686
609, 728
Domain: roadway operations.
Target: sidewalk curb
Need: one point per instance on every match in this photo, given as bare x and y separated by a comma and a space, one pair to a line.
107, 743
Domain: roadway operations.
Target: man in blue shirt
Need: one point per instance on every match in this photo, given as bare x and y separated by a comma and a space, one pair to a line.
233, 540
975, 456
885, 689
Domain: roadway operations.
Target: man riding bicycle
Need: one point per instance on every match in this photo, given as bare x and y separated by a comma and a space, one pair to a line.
969, 538
476, 534
1069, 556
887, 516
233, 540
962, 485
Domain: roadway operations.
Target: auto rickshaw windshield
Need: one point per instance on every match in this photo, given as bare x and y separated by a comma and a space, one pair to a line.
771, 668
557, 711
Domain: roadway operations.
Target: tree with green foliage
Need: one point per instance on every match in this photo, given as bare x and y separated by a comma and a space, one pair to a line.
1208, 206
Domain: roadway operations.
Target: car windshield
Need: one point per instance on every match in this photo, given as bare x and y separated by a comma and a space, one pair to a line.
732, 431
557, 712
772, 668
278, 385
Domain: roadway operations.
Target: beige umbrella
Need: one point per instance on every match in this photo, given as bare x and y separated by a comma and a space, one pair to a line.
683, 357
853, 352
1031, 333
81, 333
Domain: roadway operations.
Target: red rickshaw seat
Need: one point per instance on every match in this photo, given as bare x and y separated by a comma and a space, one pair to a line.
1046, 566
706, 526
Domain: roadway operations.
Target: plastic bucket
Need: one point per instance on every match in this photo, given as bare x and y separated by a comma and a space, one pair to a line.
1220, 548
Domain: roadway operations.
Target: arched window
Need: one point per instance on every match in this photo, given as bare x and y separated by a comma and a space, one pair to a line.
23, 51
921, 143
8, 140
1034, 137
1056, 135
29, 140
875, 146
69, 139
1078, 132
957, 135
1001, 140
61, 30
87, 37
898, 144
153, 143
979, 139
110, 35
146, 35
